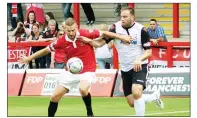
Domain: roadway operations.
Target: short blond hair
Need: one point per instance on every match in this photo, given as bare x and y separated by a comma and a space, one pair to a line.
52, 21
69, 21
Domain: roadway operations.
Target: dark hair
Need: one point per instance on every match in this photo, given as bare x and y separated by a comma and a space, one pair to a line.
20, 29
153, 20
19, 20
34, 21
51, 16
35, 24
131, 9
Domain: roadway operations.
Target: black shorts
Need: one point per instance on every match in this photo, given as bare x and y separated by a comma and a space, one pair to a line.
131, 77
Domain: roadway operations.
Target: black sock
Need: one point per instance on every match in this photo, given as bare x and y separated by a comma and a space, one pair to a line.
87, 101
52, 109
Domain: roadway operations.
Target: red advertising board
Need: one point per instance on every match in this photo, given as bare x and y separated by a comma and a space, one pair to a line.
105, 82
44, 81
16, 53
15, 77
36, 81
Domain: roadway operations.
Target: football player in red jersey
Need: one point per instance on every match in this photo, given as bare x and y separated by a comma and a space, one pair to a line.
75, 48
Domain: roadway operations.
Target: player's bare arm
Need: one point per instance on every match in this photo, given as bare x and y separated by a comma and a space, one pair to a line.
124, 38
36, 55
94, 43
138, 61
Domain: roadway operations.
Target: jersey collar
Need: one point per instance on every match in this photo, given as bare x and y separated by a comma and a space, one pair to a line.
73, 41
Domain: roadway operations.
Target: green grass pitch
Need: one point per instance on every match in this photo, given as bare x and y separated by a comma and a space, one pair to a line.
73, 106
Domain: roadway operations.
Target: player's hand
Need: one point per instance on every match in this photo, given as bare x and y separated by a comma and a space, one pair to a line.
24, 60
137, 65
126, 38
84, 39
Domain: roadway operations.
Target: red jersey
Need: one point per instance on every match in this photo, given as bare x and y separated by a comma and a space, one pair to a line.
60, 56
76, 48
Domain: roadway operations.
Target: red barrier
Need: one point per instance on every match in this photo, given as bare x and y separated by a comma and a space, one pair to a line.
76, 11
175, 20
115, 58
168, 45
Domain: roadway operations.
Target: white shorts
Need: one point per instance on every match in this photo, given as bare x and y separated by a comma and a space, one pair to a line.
71, 81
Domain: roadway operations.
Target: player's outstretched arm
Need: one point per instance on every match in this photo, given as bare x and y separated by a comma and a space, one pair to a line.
36, 55
93, 43
125, 38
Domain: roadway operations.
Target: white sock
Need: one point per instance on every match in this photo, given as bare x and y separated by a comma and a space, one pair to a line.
149, 97
139, 106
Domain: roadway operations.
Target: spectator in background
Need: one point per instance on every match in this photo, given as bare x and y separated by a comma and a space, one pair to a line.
38, 11
49, 35
87, 10
156, 32
31, 19
12, 18
48, 16
104, 53
89, 13
58, 57
66, 10
34, 37
20, 31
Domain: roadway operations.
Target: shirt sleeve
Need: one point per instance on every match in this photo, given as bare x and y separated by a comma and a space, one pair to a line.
92, 34
112, 29
58, 44
160, 32
145, 39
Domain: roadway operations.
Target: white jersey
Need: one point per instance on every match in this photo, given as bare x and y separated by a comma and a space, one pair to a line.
129, 53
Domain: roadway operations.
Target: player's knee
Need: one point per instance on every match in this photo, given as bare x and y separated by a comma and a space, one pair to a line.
55, 98
131, 104
137, 94
83, 91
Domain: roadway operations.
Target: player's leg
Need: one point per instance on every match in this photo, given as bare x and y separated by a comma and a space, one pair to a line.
55, 97
64, 83
138, 85
86, 96
139, 103
127, 83
140, 78
84, 85
129, 78
154, 97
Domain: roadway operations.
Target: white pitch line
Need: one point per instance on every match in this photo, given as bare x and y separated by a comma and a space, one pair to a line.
163, 113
